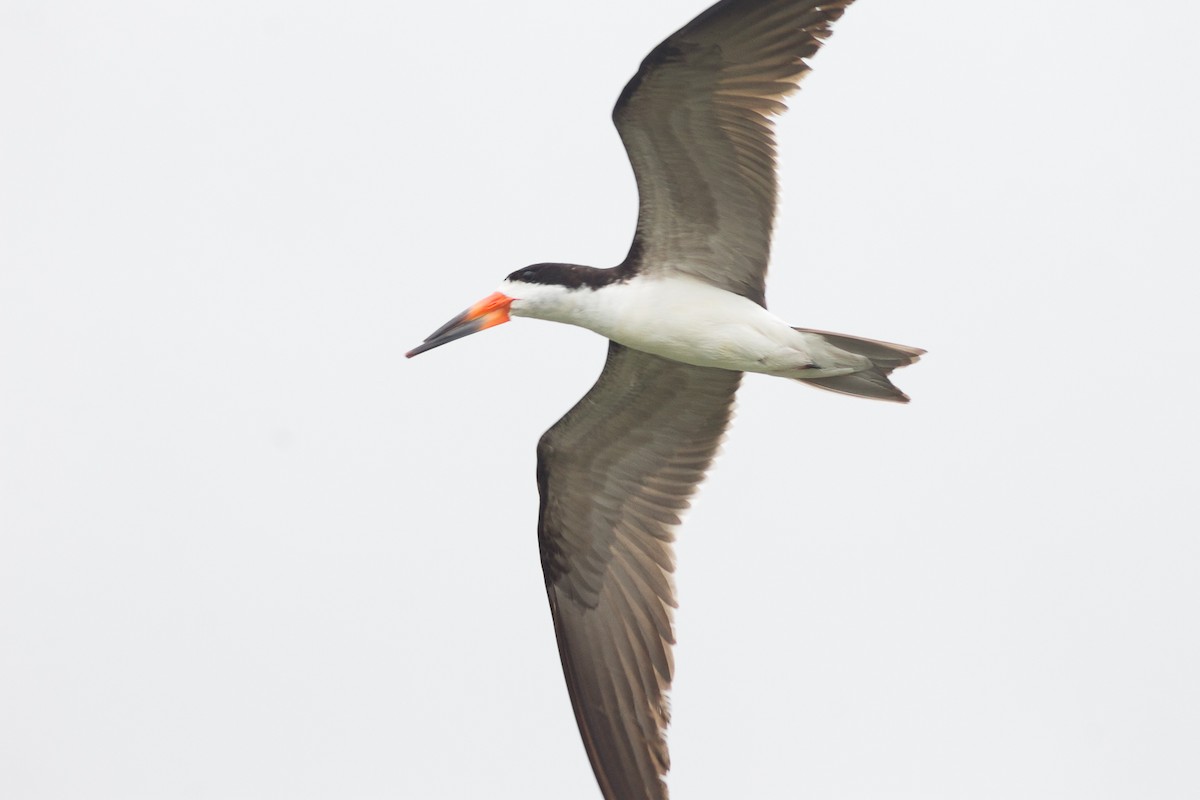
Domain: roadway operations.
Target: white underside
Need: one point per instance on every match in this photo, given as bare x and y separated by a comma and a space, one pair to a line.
688, 320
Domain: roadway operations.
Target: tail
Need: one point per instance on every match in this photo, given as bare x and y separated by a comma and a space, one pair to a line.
873, 381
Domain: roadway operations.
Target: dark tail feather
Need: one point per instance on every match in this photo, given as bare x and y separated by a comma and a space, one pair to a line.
872, 382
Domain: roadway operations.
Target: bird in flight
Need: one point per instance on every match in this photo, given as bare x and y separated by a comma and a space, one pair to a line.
685, 314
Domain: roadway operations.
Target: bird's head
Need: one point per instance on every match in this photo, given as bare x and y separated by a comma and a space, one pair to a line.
542, 291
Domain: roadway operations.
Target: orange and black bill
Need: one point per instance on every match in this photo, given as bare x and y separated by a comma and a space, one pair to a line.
488, 312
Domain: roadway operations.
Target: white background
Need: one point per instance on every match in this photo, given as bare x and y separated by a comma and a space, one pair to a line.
248, 551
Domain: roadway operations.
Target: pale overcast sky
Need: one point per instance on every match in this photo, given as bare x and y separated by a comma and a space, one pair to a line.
248, 551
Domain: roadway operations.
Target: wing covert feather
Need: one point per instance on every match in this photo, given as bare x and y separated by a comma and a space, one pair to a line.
696, 123
614, 474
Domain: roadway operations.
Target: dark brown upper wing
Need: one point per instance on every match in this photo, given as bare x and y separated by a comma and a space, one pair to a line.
696, 122
614, 474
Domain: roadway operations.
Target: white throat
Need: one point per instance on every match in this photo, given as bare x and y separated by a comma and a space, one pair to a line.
675, 316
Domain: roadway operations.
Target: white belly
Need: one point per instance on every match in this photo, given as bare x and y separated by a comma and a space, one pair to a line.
687, 320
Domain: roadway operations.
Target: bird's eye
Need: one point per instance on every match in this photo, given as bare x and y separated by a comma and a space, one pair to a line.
527, 275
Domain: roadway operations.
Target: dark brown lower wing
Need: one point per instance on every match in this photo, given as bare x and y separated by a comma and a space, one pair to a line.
614, 474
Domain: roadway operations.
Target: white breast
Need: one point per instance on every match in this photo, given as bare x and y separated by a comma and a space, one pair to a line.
688, 320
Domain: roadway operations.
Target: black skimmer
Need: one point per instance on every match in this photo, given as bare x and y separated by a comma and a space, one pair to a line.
685, 315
